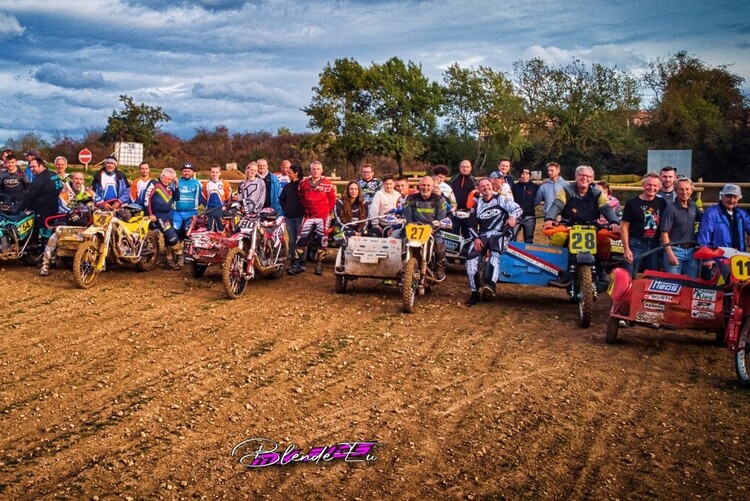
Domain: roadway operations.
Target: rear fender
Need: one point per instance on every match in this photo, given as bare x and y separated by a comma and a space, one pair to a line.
620, 286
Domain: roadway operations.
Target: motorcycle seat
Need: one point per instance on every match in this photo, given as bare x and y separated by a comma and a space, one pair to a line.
16, 217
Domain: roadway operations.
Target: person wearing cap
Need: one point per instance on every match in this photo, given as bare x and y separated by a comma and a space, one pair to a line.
724, 225
111, 185
186, 206
31, 155
138, 188
524, 193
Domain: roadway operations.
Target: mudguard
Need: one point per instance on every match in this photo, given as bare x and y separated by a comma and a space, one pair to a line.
619, 290
585, 258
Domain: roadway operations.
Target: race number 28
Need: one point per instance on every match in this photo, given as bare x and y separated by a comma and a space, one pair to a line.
740, 267
582, 240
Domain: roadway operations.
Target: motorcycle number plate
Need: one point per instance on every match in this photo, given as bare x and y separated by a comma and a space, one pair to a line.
418, 232
582, 239
740, 265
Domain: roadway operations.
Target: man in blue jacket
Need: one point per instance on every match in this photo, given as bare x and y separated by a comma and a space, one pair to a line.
724, 225
273, 185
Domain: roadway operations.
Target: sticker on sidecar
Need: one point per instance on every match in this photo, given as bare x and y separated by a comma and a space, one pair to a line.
704, 294
532, 260
659, 297
704, 305
648, 316
653, 306
702, 314
664, 287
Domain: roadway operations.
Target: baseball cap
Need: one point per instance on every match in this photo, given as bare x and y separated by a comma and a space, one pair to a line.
527, 171
731, 189
188, 166
32, 153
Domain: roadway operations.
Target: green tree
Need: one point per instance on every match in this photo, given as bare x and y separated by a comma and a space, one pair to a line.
26, 141
579, 114
405, 104
135, 123
482, 104
340, 112
698, 107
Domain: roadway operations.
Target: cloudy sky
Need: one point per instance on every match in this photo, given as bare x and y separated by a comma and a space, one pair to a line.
250, 65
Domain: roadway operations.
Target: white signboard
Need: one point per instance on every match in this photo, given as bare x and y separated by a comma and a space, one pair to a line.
130, 154
682, 160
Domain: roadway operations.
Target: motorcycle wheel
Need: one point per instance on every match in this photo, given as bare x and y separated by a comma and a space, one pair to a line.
34, 254
84, 265
234, 281
585, 286
340, 286
283, 256
613, 326
742, 358
411, 281
149, 254
197, 270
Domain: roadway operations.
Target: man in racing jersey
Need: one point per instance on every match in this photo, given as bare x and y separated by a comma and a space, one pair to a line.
430, 208
318, 196
71, 197
158, 203
111, 185
369, 183
488, 219
216, 192
252, 192
581, 202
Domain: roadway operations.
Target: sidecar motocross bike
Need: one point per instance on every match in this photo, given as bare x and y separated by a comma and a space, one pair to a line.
204, 247
119, 237
668, 300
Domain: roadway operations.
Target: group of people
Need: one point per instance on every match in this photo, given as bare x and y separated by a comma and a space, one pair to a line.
482, 210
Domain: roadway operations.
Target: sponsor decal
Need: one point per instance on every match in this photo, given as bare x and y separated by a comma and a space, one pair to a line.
488, 214
548, 250
532, 260
704, 294
664, 287
659, 297
653, 306
704, 305
702, 314
648, 316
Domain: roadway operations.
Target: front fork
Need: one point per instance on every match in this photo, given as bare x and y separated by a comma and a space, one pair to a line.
574, 288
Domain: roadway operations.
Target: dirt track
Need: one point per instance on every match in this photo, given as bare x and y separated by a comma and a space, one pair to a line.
141, 387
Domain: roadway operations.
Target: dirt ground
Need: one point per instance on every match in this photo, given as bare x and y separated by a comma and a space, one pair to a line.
142, 386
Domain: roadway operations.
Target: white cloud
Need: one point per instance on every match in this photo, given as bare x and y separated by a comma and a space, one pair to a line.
10, 27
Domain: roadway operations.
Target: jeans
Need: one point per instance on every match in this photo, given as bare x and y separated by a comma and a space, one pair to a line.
686, 265
528, 229
640, 246
292, 228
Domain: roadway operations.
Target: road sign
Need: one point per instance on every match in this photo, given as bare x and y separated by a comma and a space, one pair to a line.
84, 156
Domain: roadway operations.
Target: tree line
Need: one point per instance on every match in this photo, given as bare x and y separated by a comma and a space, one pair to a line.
391, 115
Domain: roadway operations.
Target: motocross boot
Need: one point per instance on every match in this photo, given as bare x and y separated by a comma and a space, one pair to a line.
440, 271
180, 256
473, 299
298, 265
46, 258
170, 262
319, 261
